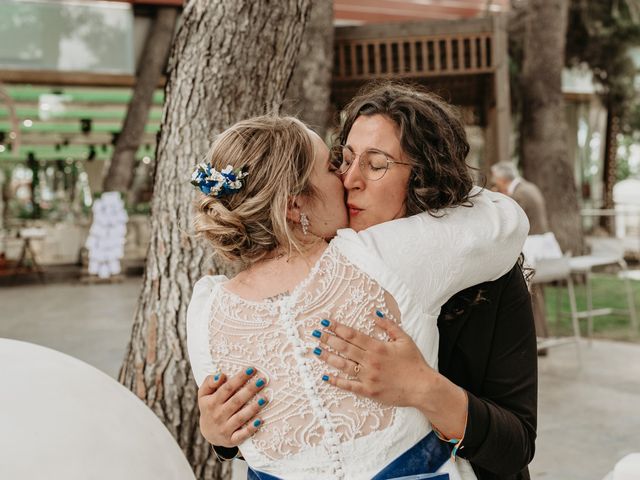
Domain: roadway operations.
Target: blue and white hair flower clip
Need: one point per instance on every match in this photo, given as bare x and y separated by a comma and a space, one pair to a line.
217, 184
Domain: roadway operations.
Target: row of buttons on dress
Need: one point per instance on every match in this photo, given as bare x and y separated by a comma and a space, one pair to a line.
312, 389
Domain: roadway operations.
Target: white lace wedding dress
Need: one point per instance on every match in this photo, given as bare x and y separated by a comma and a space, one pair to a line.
406, 269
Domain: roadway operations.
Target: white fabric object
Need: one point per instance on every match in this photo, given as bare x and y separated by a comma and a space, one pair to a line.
539, 247
107, 235
114, 266
406, 268
628, 468
33, 232
62, 419
104, 271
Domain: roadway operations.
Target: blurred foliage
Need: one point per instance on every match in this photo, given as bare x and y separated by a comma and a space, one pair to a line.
632, 123
627, 166
516, 29
601, 34
140, 208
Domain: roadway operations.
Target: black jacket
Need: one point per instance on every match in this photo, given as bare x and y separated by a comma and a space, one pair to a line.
488, 347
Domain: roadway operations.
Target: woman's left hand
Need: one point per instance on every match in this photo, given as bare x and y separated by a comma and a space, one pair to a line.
392, 372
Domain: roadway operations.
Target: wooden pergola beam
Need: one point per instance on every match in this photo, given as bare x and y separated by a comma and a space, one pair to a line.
55, 78
386, 11
155, 3
391, 30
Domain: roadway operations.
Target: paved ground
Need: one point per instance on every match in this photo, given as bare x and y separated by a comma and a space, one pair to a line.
89, 322
589, 415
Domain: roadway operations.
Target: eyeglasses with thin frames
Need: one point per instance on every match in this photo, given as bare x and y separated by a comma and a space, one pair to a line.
373, 163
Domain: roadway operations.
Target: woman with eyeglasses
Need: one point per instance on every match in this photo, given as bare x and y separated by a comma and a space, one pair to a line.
300, 329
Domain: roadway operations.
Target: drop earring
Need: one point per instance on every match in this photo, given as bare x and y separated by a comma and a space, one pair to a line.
304, 222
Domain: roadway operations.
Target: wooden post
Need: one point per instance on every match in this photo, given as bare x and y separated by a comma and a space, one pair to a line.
436, 55
501, 92
472, 53
449, 52
365, 60
378, 62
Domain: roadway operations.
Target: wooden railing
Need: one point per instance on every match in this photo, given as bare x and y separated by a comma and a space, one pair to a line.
413, 56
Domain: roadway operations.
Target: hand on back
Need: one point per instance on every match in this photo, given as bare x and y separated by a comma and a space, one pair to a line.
393, 372
229, 413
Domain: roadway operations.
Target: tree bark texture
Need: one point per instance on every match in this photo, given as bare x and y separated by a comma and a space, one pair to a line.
545, 159
308, 95
152, 62
610, 166
230, 60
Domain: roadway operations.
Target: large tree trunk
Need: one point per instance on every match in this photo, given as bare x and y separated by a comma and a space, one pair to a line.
545, 159
152, 62
229, 61
310, 88
610, 166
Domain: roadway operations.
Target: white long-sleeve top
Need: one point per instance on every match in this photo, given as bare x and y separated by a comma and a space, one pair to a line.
406, 268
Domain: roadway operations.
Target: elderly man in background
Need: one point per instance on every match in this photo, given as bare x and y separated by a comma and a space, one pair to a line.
508, 181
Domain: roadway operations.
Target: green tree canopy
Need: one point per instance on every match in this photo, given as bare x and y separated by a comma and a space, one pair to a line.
601, 34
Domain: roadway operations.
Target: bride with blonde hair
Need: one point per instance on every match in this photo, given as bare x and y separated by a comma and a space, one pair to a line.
272, 201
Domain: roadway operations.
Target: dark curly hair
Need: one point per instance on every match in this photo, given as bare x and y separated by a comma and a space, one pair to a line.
431, 135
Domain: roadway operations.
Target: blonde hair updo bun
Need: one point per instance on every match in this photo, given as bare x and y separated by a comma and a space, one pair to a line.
247, 225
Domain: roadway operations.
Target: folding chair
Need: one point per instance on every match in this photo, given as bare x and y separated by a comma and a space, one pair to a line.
604, 252
549, 270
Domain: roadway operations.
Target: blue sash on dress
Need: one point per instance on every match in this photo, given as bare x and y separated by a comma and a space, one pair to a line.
419, 462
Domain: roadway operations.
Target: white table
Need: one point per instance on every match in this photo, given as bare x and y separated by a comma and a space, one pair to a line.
62, 419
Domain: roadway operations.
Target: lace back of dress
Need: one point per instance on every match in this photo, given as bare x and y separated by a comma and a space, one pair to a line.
276, 337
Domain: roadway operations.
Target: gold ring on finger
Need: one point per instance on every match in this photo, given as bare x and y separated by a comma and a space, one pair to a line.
356, 369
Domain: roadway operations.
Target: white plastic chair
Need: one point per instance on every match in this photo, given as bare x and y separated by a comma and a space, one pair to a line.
549, 270
543, 254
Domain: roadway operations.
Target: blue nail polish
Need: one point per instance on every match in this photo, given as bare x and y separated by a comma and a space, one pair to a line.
325, 323
249, 371
317, 333
317, 351
260, 382
262, 401
379, 313
216, 378
325, 378
257, 423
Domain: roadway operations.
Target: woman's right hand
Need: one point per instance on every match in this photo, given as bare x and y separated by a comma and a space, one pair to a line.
228, 411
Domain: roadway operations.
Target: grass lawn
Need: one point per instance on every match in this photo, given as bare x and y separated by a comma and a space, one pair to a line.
608, 291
